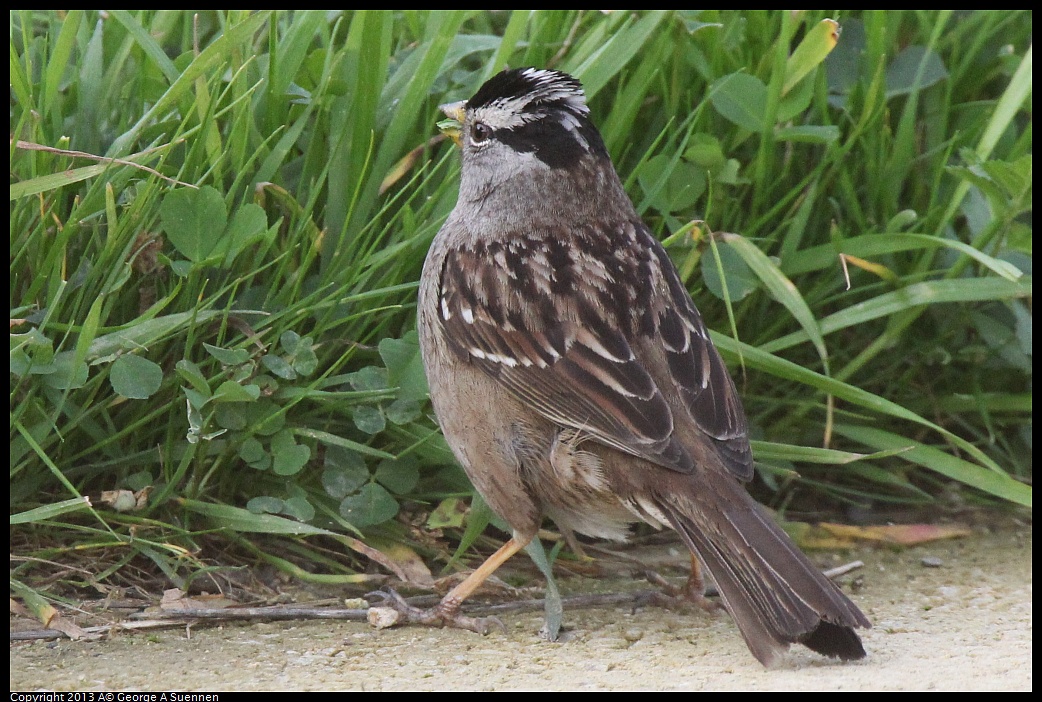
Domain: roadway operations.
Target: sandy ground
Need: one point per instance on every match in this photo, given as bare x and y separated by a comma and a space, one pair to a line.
962, 623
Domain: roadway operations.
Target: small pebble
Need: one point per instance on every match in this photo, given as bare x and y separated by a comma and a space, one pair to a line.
383, 617
931, 562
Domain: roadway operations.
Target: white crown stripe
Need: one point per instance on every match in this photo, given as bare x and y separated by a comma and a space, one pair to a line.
546, 89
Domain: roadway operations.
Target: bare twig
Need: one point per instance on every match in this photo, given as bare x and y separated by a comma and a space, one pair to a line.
269, 614
833, 573
30, 146
178, 617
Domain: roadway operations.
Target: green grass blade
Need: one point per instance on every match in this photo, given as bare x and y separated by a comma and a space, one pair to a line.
782, 290
243, 520
990, 481
147, 43
218, 51
756, 358
933, 292
46, 512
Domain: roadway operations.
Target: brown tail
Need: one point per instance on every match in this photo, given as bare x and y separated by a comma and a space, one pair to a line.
774, 593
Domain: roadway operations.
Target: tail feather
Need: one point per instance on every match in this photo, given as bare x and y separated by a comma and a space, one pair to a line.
774, 593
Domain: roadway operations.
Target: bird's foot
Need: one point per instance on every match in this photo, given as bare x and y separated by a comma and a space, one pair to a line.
388, 608
672, 597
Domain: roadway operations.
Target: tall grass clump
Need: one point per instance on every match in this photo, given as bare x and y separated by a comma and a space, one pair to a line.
218, 221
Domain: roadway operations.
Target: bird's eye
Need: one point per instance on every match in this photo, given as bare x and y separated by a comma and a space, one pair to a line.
481, 132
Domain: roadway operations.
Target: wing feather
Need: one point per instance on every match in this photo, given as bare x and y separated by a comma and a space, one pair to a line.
570, 328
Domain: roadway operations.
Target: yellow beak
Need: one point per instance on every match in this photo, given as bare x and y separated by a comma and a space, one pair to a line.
453, 126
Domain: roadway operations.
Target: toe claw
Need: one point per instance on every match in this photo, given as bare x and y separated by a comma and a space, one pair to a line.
386, 597
671, 596
375, 598
484, 625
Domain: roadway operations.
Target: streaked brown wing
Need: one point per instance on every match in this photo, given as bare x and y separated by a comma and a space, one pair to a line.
565, 327
697, 371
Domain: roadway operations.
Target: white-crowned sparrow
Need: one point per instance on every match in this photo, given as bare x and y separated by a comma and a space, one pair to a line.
574, 378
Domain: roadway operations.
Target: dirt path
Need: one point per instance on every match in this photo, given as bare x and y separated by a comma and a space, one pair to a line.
965, 625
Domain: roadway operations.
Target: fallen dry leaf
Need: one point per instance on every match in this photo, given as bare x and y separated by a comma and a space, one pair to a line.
826, 535
174, 599
412, 568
